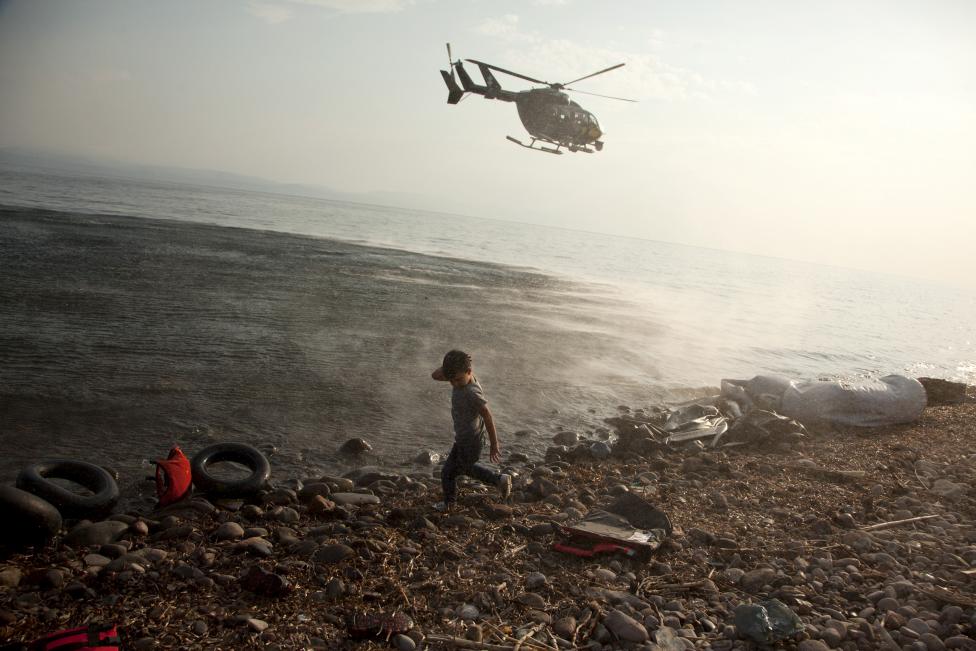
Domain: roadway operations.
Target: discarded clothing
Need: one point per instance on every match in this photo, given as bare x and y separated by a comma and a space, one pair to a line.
693, 422
760, 426
640, 513
619, 532
363, 624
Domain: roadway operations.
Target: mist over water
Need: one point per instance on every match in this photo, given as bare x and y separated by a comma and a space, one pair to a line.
121, 335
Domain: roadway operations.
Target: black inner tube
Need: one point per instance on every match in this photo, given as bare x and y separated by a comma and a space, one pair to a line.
241, 453
28, 519
36, 479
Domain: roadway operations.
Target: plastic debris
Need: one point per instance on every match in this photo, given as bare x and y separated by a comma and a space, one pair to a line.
766, 622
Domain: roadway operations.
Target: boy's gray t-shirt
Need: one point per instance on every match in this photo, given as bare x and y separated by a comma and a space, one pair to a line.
466, 404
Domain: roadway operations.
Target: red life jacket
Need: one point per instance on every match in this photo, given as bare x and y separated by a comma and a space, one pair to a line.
173, 477
87, 638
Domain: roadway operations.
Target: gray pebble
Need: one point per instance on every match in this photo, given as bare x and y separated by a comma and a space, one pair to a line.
535, 580
403, 643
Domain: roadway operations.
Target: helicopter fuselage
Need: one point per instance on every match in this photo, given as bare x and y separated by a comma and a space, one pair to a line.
550, 115
546, 113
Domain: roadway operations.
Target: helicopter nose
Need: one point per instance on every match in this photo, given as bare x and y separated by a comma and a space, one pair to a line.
595, 133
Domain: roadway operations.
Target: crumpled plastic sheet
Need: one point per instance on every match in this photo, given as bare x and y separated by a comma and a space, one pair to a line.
766, 622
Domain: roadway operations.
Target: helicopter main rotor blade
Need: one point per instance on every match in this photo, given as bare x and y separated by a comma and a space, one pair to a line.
593, 75
450, 61
622, 99
509, 72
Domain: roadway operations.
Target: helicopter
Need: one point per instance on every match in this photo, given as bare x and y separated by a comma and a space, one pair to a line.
548, 114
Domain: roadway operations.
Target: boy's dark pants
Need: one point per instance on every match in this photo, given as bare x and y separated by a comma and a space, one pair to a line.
463, 460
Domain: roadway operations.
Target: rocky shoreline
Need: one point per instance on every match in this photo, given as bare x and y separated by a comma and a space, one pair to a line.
867, 536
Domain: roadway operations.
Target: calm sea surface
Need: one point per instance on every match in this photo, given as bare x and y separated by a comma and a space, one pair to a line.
299, 322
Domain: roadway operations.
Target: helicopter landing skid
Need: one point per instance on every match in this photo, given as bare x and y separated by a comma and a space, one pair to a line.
532, 146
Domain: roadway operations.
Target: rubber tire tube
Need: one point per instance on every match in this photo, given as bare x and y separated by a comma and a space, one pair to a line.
27, 519
240, 453
34, 479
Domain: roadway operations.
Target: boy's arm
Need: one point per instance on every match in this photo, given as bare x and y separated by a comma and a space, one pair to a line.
438, 374
495, 452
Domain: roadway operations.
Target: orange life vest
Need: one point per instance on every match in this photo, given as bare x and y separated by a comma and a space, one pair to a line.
173, 477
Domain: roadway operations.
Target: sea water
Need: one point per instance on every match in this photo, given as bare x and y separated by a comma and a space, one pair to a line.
349, 308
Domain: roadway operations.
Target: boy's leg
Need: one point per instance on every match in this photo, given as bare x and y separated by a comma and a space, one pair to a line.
449, 475
468, 456
484, 474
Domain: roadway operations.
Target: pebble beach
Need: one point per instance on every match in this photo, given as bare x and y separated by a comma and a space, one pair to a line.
866, 535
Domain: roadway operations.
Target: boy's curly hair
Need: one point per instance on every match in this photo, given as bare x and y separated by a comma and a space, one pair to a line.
455, 362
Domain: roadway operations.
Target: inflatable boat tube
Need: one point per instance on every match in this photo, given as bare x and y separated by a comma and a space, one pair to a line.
36, 479
241, 453
28, 519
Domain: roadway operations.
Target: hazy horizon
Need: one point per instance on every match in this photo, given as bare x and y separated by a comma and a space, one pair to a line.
838, 134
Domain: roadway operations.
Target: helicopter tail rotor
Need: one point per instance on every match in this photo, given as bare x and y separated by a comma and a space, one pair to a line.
454, 92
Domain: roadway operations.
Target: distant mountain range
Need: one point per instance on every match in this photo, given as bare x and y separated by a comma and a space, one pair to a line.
43, 161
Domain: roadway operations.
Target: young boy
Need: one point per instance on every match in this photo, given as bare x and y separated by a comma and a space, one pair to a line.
472, 419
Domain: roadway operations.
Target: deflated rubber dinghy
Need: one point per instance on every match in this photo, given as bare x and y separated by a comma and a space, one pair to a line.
889, 400
29, 520
241, 453
37, 477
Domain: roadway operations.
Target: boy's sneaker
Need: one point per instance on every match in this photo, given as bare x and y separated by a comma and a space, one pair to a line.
443, 507
505, 486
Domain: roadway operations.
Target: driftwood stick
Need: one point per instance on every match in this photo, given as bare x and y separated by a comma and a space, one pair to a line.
897, 523
462, 643
525, 639
508, 638
829, 472
948, 596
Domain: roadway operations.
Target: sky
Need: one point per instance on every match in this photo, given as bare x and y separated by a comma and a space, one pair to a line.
839, 132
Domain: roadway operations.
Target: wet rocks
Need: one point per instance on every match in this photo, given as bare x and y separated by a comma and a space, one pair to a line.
368, 475
355, 446
229, 531
427, 458
754, 580
319, 506
566, 438
625, 627
531, 600
256, 546
95, 533
600, 450
354, 499
331, 554
262, 582
10, 577
313, 489
565, 627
